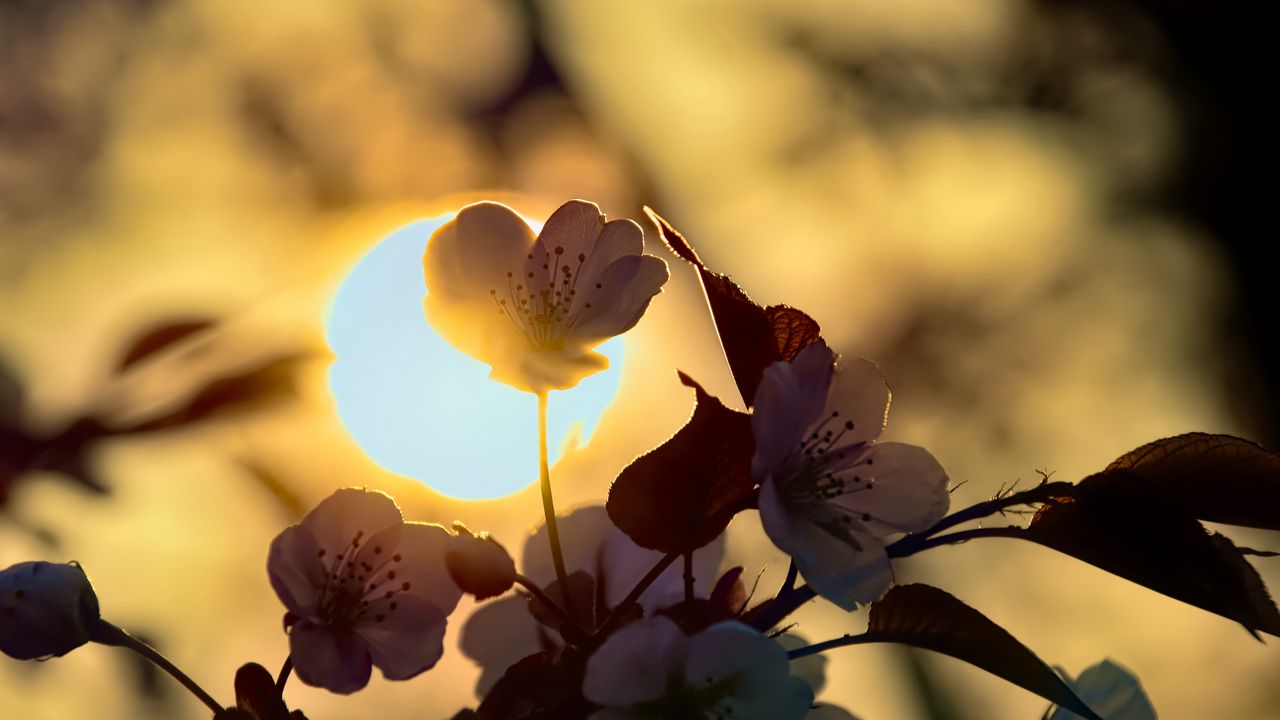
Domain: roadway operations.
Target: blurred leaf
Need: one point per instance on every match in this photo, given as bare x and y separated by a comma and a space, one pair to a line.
926, 617
160, 337
1123, 523
267, 382
753, 337
1219, 478
542, 686
11, 398
278, 488
466, 714
681, 495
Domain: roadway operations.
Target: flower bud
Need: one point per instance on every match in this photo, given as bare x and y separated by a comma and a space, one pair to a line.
478, 564
46, 609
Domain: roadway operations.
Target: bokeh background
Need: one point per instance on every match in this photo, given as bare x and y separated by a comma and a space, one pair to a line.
1044, 219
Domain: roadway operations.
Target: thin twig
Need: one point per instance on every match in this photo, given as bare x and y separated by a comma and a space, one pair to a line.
549, 505
108, 634
619, 612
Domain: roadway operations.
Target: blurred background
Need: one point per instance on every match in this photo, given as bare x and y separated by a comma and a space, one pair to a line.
1043, 218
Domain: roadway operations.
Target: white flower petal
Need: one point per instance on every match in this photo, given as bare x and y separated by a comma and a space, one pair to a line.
574, 228
790, 399
635, 664
296, 569
583, 533
423, 572
337, 661
472, 254
497, 635
1112, 691
846, 575
754, 669
349, 512
409, 638
617, 299
540, 371
861, 395
903, 489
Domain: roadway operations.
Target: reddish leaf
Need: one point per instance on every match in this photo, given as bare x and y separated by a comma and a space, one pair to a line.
926, 617
1219, 478
1122, 522
159, 338
681, 495
753, 337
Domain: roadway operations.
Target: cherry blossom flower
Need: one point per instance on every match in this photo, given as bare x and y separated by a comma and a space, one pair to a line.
46, 610
534, 309
1110, 690
829, 493
362, 588
650, 669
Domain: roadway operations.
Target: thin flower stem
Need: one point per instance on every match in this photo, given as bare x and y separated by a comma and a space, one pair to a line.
688, 577
916, 542
285, 671
897, 550
816, 648
551, 605
619, 612
549, 505
771, 612
108, 634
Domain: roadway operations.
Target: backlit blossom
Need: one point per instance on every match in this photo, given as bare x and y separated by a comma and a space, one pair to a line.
1110, 690
46, 609
535, 309
830, 494
363, 588
651, 670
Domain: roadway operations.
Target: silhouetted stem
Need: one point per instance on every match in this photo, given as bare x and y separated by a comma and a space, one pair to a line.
549, 505
922, 544
790, 582
551, 605
816, 648
916, 542
688, 577
108, 634
285, 671
619, 612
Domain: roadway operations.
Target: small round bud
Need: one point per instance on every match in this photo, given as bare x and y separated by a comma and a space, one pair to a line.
46, 609
478, 564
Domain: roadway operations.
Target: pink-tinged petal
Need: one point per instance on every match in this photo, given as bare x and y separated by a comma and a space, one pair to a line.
625, 563
790, 399
337, 661
422, 571
482, 330
861, 395
617, 299
839, 571
472, 254
634, 664
296, 570
496, 636
618, 239
539, 371
408, 639
572, 229
347, 513
583, 533
903, 490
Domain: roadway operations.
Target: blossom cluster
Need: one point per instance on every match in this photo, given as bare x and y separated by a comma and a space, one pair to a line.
626, 610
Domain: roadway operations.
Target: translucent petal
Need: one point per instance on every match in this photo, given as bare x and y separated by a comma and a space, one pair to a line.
472, 254
409, 638
422, 572
296, 570
626, 286
339, 518
335, 660
903, 489
790, 399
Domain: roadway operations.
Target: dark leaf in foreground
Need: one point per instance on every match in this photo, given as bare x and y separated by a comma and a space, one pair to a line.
543, 686
11, 396
160, 337
926, 617
257, 697
1219, 478
582, 591
753, 337
1122, 523
681, 495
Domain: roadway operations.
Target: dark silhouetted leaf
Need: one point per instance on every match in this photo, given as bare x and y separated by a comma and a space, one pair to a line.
257, 697
582, 590
1219, 478
159, 338
11, 397
543, 686
681, 495
1123, 523
267, 382
753, 337
926, 617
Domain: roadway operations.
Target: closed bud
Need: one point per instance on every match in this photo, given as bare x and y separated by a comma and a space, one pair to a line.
478, 564
46, 610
